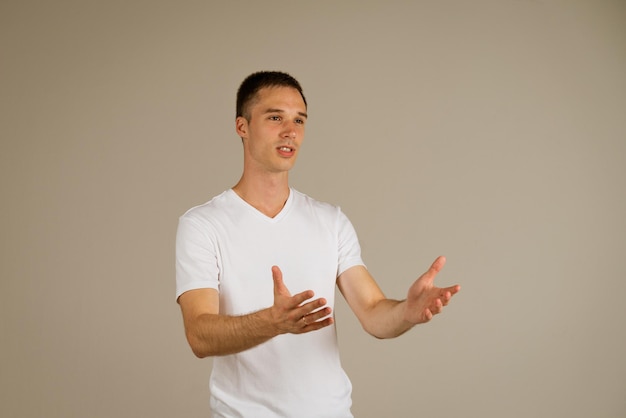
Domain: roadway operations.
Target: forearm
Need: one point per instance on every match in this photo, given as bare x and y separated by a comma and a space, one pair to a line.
217, 335
386, 319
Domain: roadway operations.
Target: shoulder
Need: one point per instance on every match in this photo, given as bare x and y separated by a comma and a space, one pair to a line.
209, 217
214, 207
313, 209
306, 201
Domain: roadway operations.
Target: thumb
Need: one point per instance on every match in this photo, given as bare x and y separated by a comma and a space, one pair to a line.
279, 285
434, 268
438, 264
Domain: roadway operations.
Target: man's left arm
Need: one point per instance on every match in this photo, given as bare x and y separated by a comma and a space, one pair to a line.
389, 318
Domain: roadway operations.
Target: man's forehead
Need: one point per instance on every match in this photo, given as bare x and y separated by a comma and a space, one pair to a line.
277, 97
278, 91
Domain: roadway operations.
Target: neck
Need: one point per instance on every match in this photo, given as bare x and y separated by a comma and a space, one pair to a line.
268, 194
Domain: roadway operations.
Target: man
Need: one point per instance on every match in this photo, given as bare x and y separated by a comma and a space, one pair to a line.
257, 268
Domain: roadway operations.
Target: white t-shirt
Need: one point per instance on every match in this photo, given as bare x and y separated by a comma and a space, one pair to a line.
228, 245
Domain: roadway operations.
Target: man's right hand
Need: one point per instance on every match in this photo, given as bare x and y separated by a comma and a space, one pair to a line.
212, 334
293, 314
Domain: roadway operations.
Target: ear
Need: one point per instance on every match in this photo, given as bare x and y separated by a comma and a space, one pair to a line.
241, 127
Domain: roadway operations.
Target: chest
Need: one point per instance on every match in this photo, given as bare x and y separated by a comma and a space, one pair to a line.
306, 250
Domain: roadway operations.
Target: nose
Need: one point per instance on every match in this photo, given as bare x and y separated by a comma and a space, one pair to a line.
290, 130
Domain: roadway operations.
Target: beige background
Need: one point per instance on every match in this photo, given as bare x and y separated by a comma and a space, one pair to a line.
491, 131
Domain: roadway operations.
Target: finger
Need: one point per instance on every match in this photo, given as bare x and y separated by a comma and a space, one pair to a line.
309, 311
317, 315
445, 299
313, 305
434, 268
315, 325
279, 285
437, 307
299, 299
428, 315
313, 311
437, 265
448, 292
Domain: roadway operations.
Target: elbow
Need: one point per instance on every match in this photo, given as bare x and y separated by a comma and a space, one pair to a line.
379, 337
199, 348
371, 330
199, 353
386, 332
375, 334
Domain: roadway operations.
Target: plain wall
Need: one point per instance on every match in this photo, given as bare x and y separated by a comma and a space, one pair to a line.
490, 131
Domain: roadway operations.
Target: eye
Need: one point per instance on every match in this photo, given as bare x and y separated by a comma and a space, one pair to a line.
300, 121
274, 117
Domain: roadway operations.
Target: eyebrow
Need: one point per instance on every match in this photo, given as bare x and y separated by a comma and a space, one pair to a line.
272, 110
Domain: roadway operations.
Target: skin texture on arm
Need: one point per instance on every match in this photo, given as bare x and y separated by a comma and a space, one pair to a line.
389, 318
210, 333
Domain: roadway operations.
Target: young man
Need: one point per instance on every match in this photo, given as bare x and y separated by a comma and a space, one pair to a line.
256, 270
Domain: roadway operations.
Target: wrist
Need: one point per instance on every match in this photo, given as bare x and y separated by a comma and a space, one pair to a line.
267, 324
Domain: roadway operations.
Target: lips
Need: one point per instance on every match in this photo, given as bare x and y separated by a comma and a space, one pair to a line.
286, 151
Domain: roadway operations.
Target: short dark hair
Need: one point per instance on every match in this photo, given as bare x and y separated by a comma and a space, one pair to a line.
250, 87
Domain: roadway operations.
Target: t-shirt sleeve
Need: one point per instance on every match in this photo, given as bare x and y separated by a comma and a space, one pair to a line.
349, 247
196, 257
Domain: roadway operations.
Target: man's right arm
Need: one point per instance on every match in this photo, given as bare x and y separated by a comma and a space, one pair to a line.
210, 333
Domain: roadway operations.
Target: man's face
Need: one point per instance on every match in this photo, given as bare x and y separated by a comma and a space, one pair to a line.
272, 136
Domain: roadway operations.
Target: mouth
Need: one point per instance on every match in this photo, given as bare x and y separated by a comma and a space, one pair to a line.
286, 151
